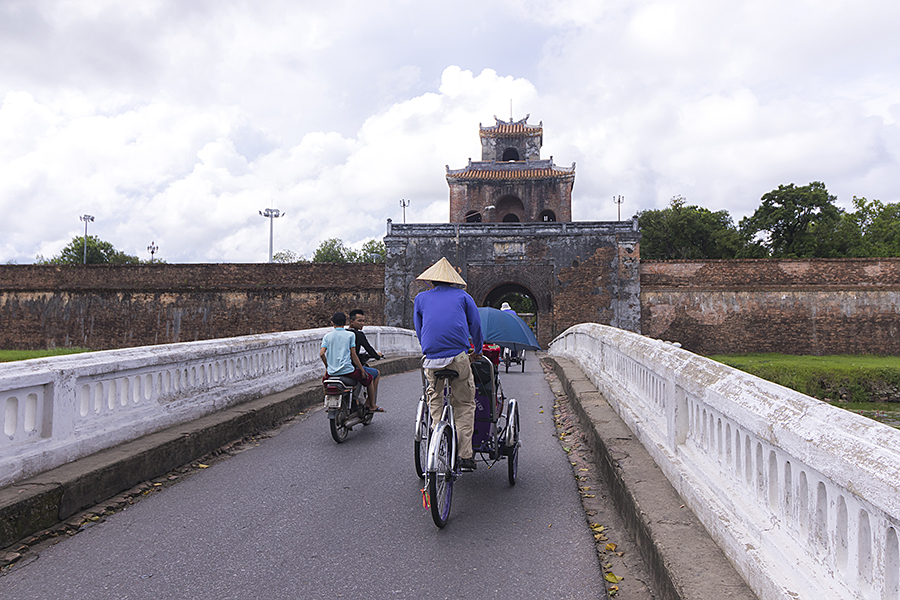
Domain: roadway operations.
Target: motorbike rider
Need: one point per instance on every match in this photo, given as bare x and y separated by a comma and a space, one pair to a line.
445, 318
356, 324
338, 353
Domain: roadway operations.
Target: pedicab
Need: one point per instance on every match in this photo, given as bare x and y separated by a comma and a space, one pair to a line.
496, 433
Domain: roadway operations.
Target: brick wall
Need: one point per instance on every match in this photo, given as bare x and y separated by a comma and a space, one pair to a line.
814, 306
104, 306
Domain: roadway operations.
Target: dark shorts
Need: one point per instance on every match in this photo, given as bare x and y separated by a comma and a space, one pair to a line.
363, 378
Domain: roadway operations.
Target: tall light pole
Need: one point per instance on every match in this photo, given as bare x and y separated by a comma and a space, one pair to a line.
86, 218
152, 248
619, 200
271, 214
404, 203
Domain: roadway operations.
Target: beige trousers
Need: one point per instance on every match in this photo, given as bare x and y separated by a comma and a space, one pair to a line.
462, 399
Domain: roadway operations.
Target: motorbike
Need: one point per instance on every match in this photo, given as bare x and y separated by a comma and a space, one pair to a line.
345, 405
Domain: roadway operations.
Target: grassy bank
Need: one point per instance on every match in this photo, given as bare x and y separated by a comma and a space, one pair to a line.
867, 385
11, 355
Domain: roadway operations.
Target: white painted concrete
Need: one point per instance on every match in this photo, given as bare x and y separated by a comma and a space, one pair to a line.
801, 496
55, 410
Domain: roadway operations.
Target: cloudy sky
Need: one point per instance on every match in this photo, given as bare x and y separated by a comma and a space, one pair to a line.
177, 121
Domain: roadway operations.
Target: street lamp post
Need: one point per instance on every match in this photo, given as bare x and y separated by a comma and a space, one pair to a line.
403, 204
86, 218
152, 248
271, 214
619, 200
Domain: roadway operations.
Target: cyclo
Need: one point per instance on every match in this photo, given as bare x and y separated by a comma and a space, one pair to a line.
496, 437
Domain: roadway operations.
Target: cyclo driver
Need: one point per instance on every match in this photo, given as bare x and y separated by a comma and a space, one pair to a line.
445, 318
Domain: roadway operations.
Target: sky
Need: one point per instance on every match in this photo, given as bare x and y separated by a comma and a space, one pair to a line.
177, 121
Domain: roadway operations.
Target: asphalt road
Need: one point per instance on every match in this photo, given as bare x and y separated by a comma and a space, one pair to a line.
302, 517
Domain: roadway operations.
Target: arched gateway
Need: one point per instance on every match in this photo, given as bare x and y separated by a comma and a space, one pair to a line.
575, 272
511, 232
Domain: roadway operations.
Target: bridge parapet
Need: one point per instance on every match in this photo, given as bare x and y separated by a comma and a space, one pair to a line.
801, 496
55, 410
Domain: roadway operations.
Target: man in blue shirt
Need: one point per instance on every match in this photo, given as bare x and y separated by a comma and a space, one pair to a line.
338, 352
446, 318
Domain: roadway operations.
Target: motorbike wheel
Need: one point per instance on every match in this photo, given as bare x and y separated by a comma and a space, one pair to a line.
338, 424
440, 483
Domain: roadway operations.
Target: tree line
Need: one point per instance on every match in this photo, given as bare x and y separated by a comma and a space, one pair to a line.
100, 252
791, 222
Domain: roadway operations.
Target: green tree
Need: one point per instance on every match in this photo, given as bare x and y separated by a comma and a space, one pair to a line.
288, 257
99, 252
796, 222
880, 225
333, 250
691, 232
372, 251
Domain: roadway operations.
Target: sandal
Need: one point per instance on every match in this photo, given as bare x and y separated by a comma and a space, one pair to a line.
376, 409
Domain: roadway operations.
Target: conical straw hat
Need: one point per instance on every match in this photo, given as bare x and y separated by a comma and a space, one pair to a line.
442, 270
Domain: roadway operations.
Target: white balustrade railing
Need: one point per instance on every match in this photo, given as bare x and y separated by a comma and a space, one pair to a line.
803, 497
54, 410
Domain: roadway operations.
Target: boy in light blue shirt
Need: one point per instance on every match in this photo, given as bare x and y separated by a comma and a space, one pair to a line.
338, 353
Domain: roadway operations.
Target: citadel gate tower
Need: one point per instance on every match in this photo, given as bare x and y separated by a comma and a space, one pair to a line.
510, 231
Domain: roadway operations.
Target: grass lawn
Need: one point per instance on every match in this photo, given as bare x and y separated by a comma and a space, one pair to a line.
11, 355
867, 385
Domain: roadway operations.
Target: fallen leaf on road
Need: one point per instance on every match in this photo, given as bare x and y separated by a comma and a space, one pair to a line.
610, 577
611, 547
202, 466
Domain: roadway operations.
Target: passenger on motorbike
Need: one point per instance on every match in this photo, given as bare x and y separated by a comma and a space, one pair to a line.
356, 324
338, 353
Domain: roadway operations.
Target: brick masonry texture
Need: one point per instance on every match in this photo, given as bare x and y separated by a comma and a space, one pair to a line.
575, 272
818, 306
105, 306
813, 306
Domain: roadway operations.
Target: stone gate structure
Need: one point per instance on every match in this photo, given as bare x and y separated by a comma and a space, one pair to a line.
510, 231
574, 272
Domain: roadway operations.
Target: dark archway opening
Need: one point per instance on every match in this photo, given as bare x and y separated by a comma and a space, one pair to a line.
547, 216
510, 154
473, 216
520, 299
510, 210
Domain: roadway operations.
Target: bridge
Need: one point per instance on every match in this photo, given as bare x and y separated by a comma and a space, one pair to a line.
801, 497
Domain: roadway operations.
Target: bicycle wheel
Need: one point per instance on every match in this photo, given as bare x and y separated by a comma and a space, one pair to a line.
421, 444
440, 482
338, 424
512, 451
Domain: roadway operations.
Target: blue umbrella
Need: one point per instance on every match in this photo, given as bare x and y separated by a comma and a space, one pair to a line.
506, 329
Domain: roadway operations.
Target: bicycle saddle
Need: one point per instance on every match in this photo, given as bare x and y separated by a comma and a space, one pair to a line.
446, 374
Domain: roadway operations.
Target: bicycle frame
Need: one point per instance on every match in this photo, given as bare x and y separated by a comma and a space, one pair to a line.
446, 421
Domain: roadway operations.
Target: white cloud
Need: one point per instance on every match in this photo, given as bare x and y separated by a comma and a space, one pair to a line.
177, 122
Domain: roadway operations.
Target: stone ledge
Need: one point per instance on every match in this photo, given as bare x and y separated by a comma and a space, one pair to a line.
40, 502
684, 561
